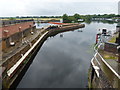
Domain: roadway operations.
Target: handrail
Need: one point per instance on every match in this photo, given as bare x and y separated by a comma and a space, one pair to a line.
15, 66
97, 53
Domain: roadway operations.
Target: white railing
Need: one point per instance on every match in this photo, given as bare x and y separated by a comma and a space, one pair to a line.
15, 66
103, 60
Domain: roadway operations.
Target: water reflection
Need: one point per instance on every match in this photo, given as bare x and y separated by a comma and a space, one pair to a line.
100, 21
87, 21
80, 30
61, 35
63, 62
41, 25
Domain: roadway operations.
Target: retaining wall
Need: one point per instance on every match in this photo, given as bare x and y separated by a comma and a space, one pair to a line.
111, 47
13, 59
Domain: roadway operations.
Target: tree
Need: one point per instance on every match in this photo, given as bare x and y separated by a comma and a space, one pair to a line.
72, 19
65, 18
12, 18
77, 16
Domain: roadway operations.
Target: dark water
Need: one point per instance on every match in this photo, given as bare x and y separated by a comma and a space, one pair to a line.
63, 62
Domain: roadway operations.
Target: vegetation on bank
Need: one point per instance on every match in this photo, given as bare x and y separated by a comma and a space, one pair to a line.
113, 39
79, 18
70, 18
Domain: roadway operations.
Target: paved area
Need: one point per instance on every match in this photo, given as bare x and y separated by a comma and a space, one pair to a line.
115, 65
111, 59
108, 63
107, 78
13, 49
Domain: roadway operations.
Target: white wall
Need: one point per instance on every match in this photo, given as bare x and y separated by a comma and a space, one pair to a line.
119, 7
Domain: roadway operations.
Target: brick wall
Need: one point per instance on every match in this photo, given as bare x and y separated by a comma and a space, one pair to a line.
12, 29
9, 22
15, 33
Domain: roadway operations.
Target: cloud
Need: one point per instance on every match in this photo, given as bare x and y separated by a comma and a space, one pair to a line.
73, 0
12, 7
55, 7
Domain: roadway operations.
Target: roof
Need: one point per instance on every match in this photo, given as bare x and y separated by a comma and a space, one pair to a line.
57, 23
9, 30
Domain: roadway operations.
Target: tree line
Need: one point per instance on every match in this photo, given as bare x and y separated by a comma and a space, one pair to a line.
70, 18
76, 17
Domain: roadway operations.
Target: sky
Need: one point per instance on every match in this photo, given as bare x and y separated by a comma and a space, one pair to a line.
56, 7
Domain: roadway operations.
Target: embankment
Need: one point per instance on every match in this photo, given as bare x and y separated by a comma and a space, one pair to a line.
14, 73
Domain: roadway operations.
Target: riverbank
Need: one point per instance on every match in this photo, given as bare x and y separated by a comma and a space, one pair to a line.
104, 70
16, 62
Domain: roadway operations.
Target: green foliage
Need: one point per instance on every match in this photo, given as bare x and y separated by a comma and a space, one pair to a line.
76, 16
70, 19
113, 39
12, 18
65, 18
87, 18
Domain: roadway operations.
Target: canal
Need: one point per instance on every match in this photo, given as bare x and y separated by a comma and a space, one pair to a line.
64, 60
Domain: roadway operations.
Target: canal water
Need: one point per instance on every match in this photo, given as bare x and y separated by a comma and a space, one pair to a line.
64, 60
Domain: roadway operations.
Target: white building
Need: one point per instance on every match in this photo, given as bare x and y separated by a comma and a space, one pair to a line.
119, 7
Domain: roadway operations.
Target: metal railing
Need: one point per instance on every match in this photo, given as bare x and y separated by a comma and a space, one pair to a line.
114, 76
96, 51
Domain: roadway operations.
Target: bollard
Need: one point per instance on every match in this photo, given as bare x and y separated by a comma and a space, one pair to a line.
104, 31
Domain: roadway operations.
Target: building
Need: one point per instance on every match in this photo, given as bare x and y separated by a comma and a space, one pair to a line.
13, 31
119, 7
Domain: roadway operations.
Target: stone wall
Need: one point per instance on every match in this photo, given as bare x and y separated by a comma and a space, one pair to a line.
13, 59
111, 47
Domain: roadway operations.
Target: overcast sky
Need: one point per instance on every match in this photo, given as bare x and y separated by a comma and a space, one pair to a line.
57, 7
